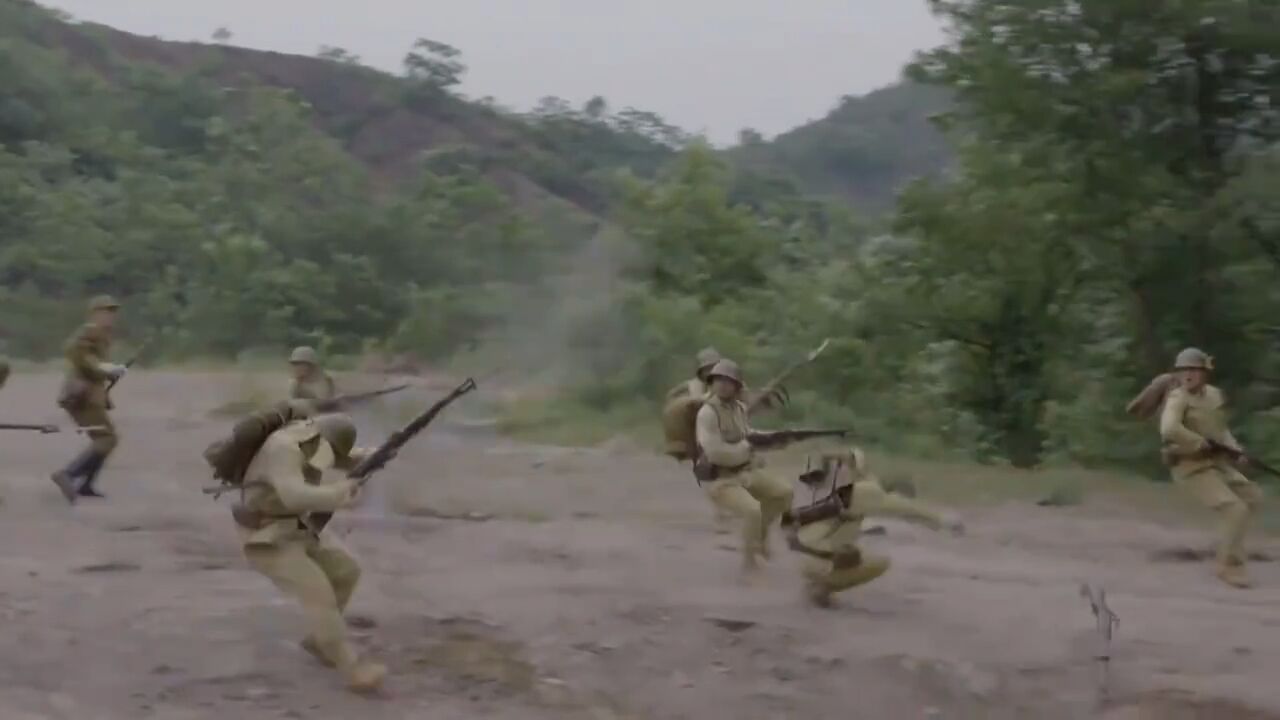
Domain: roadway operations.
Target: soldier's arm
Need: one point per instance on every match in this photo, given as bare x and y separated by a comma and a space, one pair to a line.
82, 352
284, 472
1171, 428
330, 388
871, 499
712, 442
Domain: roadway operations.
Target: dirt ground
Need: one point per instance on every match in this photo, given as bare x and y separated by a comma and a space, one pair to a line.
518, 581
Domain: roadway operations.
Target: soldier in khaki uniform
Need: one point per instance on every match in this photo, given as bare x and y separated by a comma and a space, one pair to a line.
834, 561
281, 485
84, 397
310, 381
740, 485
698, 385
1193, 415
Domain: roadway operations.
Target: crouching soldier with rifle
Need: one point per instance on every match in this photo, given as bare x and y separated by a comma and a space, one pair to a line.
284, 507
827, 531
728, 466
281, 486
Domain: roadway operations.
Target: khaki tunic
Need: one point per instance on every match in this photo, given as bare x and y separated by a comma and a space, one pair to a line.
317, 386
86, 382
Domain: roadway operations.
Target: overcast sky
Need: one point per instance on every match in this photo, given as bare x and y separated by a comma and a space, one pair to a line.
713, 66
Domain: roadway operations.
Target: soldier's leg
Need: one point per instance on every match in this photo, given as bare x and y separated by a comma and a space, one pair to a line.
729, 495
104, 440
339, 566
1251, 495
1209, 487
774, 495
297, 575
823, 579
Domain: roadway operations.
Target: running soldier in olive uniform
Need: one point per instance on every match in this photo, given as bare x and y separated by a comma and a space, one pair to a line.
84, 397
310, 381
282, 485
1194, 414
738, 483
834, 561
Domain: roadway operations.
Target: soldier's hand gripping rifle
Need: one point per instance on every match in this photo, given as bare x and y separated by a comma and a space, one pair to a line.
377, 459
1238, 455
773, 391
342, 402
127, 364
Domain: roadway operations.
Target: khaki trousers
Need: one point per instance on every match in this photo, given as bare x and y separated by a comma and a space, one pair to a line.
757, 499
321, 577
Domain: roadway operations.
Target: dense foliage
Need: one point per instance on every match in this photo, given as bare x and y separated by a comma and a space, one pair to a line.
1108, 203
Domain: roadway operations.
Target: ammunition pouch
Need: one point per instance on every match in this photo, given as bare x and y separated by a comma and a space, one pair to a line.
704, 471
828, 507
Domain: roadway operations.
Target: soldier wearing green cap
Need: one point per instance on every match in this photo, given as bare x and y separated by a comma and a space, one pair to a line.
310, 381
84, 397
282, 484
1194, 414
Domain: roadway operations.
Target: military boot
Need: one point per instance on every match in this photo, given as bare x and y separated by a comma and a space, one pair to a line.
366, 677
1232, 573
90, 475
66, 479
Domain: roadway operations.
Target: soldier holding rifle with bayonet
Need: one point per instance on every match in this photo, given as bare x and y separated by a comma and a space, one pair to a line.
729, 468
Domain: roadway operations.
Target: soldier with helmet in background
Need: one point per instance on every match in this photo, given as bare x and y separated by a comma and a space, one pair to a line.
1203, 455
310, 381
84, 397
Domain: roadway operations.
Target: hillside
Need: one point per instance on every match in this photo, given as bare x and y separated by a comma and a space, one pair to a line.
860, 153
864, 150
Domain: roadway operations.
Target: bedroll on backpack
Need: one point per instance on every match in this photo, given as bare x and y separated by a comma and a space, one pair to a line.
230, 456
1148, 402
679, 420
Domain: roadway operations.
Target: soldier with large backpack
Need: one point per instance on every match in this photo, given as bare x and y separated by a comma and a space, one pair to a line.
276, 460
728, 467
827, 530
1202, 454
683, 402
309, 381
